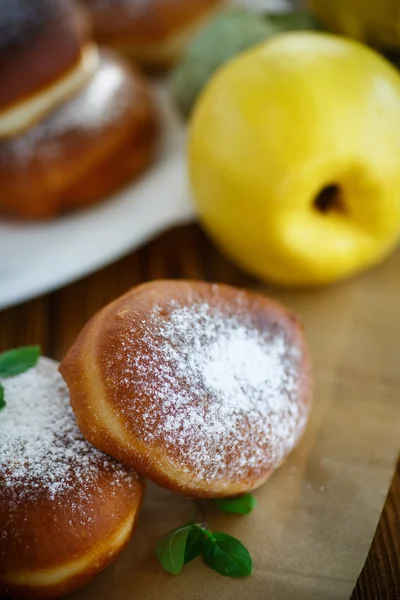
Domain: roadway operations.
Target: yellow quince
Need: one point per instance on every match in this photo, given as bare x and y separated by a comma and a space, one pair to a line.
294, 155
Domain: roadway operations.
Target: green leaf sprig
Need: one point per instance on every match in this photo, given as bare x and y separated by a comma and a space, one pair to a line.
171, 549
239, 506
2, 401
221, 552
226, 555
14, 362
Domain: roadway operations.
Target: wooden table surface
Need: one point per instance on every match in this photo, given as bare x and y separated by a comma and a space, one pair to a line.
54, 320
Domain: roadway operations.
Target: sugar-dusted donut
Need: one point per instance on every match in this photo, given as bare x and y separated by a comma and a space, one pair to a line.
66, 509
205, 389
83, 150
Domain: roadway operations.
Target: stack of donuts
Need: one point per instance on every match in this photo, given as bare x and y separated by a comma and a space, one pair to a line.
77, 121
202, 388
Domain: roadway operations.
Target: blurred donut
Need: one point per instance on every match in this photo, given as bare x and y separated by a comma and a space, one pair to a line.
45, 56
204, 389
152, 32
66, 509
83, 150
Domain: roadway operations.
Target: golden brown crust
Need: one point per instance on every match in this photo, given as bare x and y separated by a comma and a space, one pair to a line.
51, 537
66, 510
84, 150
40, 41
119, 397
153, 32
52, 521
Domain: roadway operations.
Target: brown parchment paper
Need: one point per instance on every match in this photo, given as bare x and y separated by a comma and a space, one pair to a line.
310, 535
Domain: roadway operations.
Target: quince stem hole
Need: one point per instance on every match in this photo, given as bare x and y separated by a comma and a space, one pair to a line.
329, 200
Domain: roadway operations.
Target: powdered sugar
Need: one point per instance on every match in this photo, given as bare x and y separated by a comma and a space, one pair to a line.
225, 391
105, 96
97, 104
42, 452
238, 361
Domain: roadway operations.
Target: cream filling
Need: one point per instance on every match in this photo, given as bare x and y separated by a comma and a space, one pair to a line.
26, 113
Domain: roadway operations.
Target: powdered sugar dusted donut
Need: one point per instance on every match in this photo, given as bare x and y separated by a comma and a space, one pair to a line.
152, 32
66, 509
84, 150
203, 388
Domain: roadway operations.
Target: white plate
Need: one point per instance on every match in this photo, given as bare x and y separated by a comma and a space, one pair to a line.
40, 257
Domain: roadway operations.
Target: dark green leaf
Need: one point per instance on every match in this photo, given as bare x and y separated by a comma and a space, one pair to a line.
194, 543
2, 401
295, 21
240, 506
19, 360
170, 550
220, 40
226, 555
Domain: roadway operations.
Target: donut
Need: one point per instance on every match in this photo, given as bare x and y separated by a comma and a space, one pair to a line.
203, 388
66, 509
83, 150
46, 55
152, 32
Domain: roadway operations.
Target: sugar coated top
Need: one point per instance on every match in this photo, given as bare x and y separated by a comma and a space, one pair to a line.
219, 382
42, 452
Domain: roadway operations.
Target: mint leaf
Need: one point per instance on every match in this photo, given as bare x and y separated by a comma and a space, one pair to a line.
240, 506
299, 20
220, 40
19, 360
194, 543
226, 555
170, 550
2, 401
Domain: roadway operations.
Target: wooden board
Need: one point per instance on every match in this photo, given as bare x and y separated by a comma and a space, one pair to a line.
310, 535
